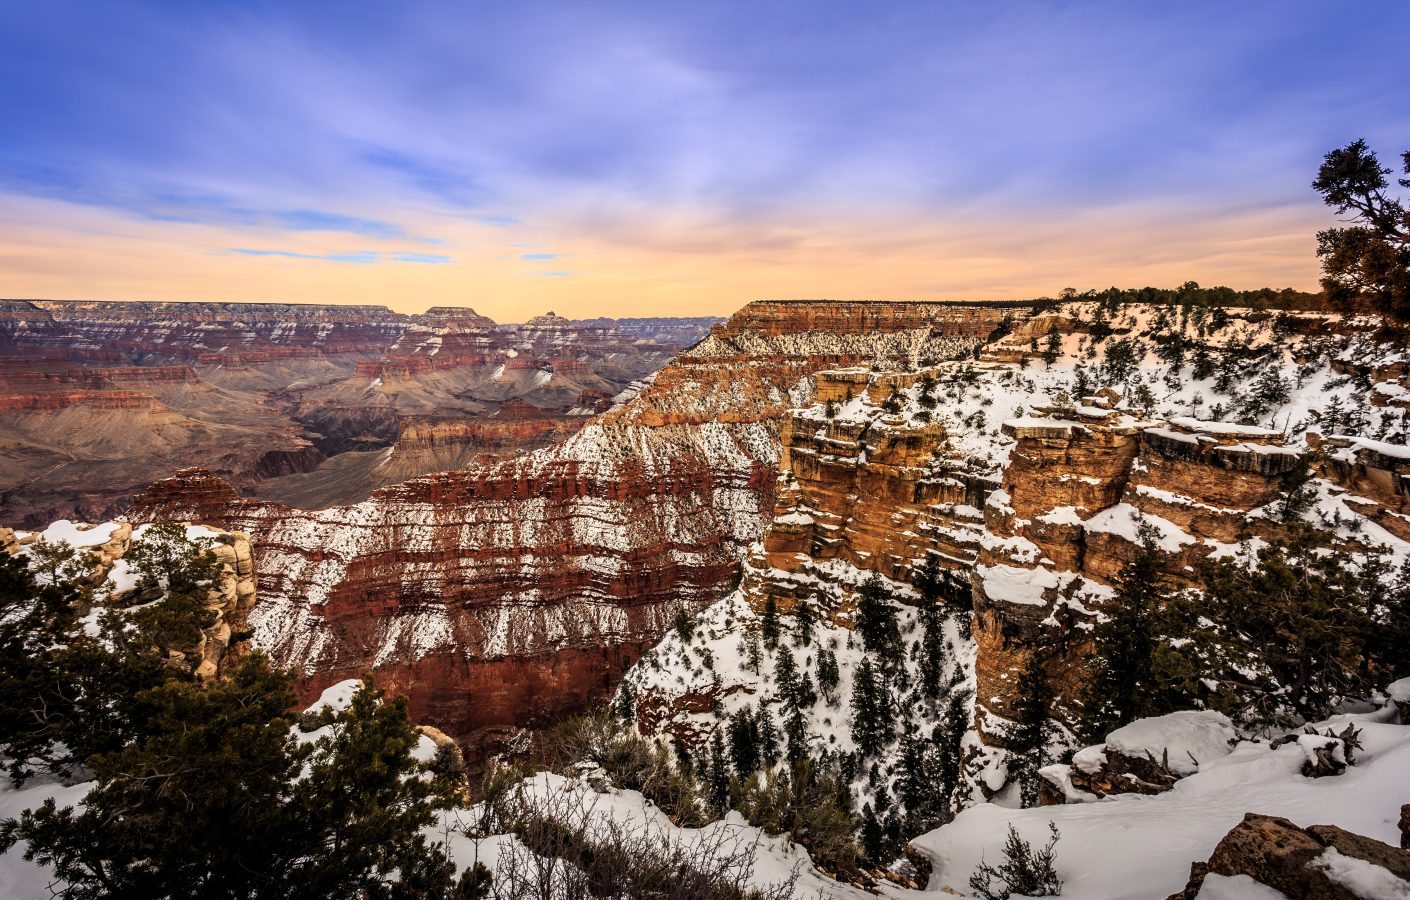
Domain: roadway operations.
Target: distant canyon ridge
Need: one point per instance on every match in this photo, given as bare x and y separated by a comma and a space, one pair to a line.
307, 405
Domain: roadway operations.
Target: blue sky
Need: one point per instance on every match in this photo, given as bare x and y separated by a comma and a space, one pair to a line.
571, 138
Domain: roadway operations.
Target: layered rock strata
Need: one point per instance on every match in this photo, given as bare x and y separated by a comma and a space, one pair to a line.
517, 589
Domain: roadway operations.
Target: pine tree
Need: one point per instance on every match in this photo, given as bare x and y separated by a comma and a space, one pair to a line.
753, 652
948, 738
744, 742
768, 625
876, 623
932, 621
768, 736
828, 675
719, 774
1027, 738
685, 626
872, 720
625, 707
795, 728
1120, 684
803, 624
786, 676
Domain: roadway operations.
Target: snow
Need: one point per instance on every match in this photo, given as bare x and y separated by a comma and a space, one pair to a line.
1364, 879
1191, 738
1400, 690
1131, 847
1192, 424
1236, 887
337, 697
1012, 584
77, 534
1124, 521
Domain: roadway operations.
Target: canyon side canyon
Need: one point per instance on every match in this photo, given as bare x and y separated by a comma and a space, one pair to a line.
311, 405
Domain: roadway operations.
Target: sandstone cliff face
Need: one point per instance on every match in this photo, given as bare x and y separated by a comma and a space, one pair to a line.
1032, 482
101, 550
516, 589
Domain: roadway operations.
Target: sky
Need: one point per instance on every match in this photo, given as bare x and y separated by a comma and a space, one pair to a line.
662, 158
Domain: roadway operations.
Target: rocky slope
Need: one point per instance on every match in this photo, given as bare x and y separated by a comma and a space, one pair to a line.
513, 590
97, 399
1030, 476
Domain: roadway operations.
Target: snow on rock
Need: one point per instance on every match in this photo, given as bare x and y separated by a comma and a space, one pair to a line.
1236, 887
1362, 878
338, 697
1132, 847
1190, 738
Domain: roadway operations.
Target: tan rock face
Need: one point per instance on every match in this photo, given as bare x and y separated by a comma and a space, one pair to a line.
231, 598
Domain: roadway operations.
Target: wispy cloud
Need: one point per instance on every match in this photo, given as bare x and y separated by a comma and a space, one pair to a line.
539, 256
554, 273
359, 256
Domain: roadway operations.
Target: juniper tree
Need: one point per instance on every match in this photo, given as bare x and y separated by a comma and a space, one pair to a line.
1365, 265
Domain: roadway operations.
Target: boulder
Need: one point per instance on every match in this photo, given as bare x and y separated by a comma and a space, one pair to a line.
1323, 862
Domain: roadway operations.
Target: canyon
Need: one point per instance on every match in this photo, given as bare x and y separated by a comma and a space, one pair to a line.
302, 403
509, 591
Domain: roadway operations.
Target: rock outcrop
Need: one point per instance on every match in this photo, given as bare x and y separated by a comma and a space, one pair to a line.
1323, 862
101, 550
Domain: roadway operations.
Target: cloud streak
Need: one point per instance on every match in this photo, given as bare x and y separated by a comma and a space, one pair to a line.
687, 138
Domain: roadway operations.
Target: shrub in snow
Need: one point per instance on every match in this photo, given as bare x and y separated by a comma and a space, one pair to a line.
1024, 871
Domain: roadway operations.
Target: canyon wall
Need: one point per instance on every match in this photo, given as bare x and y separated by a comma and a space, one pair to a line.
1029, 477
516, 589
289, 401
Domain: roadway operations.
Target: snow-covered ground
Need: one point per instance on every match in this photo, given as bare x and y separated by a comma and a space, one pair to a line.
1132, 847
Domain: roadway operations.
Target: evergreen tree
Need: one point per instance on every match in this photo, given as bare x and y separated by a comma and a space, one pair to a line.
795, 728
625, 706
1053, 349
948, 738
828, 675
786, 677
876, 623
872, 720
753, 652
744, 742
1365, 265
768, 625
1120, 686
684, 625
768, 736
219, 799
719, 774
803, 624
932, 621
1028, 736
